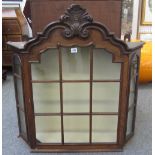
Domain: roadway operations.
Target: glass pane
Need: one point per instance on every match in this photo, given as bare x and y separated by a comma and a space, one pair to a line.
76, 129
48, 129
131, 98
105, 97
76, 97
46, 97
22, 122
103, 68
133, 74
132, 78
76, 66
104, 128
127, 16
19, 90
48, 68
130, 121
17, 65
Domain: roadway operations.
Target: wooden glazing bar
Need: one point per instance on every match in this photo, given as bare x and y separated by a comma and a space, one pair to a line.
74, 81
71, 81
42, 81
78, 114
90, 110
61, 93
106, 80
104, 113
47, 114
136, 92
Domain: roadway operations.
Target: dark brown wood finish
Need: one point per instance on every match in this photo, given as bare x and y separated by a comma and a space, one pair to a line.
136, 90
61, 92
134, 105
91, 92
104, 11
28, 98
122, 121
83, 113
76, 28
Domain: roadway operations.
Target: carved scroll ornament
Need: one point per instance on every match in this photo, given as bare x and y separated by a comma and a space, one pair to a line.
76, 17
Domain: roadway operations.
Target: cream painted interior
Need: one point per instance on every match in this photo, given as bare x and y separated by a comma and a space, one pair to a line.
76, 96
48, 69
105, 97
76, 129
104, 128
103, 68
76, 66
48, 129
46, 97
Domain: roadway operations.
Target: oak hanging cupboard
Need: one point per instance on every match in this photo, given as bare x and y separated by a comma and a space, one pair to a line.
76, 86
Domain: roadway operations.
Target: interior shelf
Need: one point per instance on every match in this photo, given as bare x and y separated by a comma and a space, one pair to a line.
76, 129
76, 137
75, 107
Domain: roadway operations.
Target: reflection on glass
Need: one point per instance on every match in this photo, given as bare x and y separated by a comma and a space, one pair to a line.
22, 122
133, 75
130, 121
76, 129
131, 98
127, 16
103, 68
104, 128
19, 89
132, 78
48, 68
17, 65
105, 97
48, 129
76, 97
75, 63
46, 97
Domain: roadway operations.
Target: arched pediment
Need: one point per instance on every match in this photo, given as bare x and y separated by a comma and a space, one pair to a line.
75, 27
76, 22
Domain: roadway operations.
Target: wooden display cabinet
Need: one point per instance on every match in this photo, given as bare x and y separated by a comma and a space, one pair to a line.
14, 28
76, 86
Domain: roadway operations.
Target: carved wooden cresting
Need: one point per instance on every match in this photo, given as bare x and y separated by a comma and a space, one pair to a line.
76, 18
76, 101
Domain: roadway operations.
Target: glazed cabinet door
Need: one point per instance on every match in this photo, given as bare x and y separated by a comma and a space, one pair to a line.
76, 95
18, 83
134, 69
